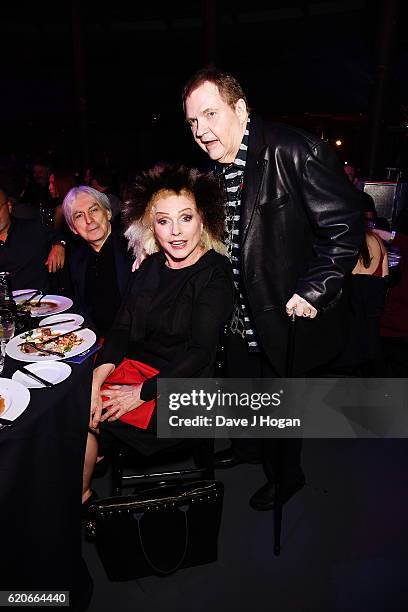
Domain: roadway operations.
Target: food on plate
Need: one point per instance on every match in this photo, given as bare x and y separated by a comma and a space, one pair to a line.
43, 339
44, 306
2, 404
22, 307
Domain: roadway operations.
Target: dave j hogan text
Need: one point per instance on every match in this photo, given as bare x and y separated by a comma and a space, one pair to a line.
257, 420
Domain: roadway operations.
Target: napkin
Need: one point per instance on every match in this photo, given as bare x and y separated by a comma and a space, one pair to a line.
83, 356
131, 372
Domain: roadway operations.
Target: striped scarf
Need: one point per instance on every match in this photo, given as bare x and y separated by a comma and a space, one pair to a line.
233, 180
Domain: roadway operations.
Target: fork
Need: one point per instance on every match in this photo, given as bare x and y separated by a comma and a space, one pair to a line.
33, 295
36, 305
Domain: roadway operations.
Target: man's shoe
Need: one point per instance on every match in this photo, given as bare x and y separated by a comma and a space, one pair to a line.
268, 496
227, 458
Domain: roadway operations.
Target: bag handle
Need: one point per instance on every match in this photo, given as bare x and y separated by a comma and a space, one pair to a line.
138, 517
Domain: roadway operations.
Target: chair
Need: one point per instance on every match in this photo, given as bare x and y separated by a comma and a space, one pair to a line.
129, 530
203, 455
202, 449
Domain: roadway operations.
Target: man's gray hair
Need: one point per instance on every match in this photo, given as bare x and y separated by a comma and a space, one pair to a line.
72, 195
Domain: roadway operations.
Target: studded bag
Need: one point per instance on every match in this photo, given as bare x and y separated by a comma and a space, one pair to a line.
158, 530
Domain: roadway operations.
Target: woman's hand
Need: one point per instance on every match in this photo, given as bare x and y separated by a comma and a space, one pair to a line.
120, 400
100, 374
56, 258
96, 406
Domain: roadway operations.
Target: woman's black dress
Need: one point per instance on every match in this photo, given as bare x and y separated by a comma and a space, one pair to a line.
172, 320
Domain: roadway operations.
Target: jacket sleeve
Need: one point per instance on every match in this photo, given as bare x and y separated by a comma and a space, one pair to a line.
52, 235
334, 208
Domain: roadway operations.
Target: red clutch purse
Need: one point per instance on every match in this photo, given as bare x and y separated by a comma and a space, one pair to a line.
131, 372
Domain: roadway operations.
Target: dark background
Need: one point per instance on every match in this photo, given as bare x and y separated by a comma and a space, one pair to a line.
101, 81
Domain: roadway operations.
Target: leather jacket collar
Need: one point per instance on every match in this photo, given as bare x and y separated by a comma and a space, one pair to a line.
257, 159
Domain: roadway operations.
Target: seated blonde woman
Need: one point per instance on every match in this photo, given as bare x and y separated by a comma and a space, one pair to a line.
179, 301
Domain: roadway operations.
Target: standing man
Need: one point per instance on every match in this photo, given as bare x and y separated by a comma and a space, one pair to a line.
293, 231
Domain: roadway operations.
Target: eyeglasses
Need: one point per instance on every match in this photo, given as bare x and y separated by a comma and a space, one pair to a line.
3, 203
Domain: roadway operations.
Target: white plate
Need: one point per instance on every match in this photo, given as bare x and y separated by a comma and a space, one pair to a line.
20, 397
52, 371
6, 395
53, 304
77, 320
13, 349
23, 293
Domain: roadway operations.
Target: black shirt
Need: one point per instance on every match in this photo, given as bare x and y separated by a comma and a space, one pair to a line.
24, 253
172, 318
101, 286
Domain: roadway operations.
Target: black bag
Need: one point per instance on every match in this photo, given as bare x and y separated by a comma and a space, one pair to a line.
158, 530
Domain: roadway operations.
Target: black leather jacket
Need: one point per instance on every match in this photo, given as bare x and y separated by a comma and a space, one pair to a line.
301, 230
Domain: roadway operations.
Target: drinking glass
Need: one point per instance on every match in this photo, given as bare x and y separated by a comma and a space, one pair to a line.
7, 329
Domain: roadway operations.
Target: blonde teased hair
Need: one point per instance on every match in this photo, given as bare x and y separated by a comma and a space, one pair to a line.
175, 179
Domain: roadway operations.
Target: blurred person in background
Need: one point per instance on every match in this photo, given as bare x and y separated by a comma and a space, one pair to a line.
60, 182
394, 321
368, 202
31, 252
362, 354
36, 192
104, 181
37, 196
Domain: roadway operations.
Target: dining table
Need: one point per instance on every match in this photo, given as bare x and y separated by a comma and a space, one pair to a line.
41, 461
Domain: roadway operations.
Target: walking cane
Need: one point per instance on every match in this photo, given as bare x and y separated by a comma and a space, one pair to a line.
290, 353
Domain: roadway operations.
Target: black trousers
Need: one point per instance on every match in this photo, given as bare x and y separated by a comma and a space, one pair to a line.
280, 457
